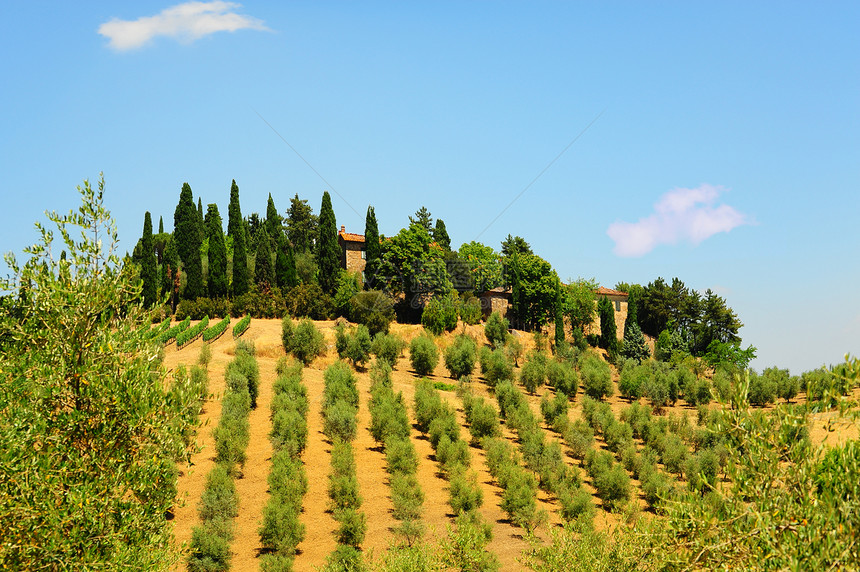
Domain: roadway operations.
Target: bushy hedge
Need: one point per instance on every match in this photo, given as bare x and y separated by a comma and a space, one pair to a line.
212, 333
242, 326
170, 334
191, 334
387, 348
210, 542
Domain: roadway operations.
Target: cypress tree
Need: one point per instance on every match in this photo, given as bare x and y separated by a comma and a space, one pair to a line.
217, 253
559, 316
608, 332
372, 246
286, 276
200, 221
236, 229
328, 251
170, 268
440, 235
187, 234
160, 225
263, 275
148, 270
273, 221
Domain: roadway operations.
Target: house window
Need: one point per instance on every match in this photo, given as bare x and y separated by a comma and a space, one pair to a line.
618, 305
364, 255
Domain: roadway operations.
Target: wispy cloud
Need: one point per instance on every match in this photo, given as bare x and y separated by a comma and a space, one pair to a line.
680, 215
186, 22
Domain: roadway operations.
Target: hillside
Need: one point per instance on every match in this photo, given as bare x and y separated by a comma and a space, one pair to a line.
508, 540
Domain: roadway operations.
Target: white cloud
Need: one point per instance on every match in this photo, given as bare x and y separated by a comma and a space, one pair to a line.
187, 22
680, 214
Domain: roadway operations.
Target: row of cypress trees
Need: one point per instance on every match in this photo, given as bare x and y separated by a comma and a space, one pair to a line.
191, 228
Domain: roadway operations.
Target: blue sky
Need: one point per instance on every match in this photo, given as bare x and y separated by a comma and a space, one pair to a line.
717, 141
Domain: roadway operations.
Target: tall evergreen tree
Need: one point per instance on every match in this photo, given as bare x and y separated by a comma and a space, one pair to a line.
236, 230
200, 221
424, 219
148, 270
632, 313
187, 235
301, 225
218, 283
372, 247
559, 316
263, 273
328, 251
608, 331
170, 268
286, 276
160, 225
274, 221
440, 235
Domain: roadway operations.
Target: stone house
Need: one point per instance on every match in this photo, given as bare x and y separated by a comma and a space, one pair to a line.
353, 251
619, 304
495, 300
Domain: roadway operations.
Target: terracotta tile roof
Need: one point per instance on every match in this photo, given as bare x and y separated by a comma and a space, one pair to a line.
609, 292
350, 237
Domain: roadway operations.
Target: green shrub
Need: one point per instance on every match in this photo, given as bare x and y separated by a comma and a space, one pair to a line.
496, 330
427, 405
343, 489
762, 389
387, 348
697, 391
470, 311
576, 504
307, 342
658, 391
460, 357
495, 366
618, 435
288, 330
562, 376
613, 486
579, 438
341, 340
281, 530
553, 407
406, 496
289, 431
483, 421
674, 453
596, 377
344, 558
444, 424
287, 480
373, 309
210, 547
452, 455
246, 363
219, 500
519, 500
358, 346
380, 374
339, 421
400, 456
532, 375
353, 527
440, 314
465, 547
276, 563
465, 493
309, 301
339, 381
388, 415
424, 355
